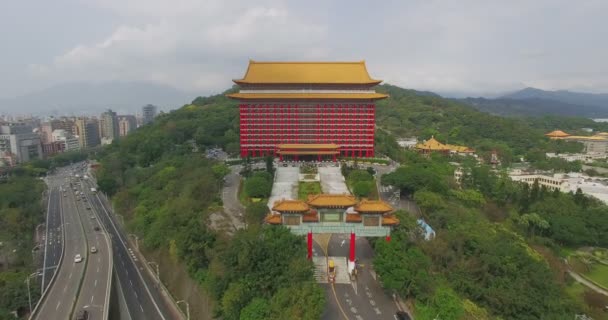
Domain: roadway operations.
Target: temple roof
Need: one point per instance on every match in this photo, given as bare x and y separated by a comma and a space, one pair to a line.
290, 205
353, 217
273, 219
557, 134
268, 72
332, 200
389, 220
313, 96
434, 145
377, 206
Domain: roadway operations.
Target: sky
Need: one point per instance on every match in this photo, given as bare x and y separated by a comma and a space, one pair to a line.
456, 48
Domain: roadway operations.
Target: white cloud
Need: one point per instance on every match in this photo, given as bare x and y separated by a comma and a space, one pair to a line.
179, 46
470, 46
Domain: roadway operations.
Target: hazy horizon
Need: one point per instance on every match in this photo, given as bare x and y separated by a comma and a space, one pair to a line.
470, 48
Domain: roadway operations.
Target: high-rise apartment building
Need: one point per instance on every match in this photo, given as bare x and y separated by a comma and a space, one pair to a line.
19, 142
109, 125
87, 132
126, 124
148, 113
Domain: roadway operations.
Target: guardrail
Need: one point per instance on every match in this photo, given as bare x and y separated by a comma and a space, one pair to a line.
46, 290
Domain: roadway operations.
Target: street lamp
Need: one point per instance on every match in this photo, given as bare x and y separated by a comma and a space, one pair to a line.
152, 263
187, 308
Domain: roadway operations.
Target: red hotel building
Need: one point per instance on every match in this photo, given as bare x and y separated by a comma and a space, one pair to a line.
312, 109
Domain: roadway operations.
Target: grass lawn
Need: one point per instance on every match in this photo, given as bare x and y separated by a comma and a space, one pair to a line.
306, 188
599, 274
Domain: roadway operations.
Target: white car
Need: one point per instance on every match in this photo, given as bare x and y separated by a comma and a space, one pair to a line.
78, 258
93, 250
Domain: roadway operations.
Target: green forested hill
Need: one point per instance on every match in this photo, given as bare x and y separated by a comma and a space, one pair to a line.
407, 113
166, 191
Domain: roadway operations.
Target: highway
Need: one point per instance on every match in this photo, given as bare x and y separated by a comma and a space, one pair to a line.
142, 295
363, 299
61, 295
53, 235
95, 289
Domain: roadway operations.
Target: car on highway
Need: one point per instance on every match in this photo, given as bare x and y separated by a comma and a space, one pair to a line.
78, 258
82, 315
88, 207
402, 315
93, 250
97, 228
92, 216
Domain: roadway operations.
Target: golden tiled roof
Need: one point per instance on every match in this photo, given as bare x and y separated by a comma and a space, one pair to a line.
375, 206
301, 96
308, 146
273, 219
557, 134
389, 220
331, 200
353, 217
268, 72
290, 206
433, 145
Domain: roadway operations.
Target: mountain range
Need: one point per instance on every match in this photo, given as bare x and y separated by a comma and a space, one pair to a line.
536, 102
93, 98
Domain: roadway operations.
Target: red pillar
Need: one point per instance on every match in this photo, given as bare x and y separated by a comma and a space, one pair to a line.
351, 257
309, 243
388, 237
319, 157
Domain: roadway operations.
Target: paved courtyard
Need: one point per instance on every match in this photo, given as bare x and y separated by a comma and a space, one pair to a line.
285, 184
332, 180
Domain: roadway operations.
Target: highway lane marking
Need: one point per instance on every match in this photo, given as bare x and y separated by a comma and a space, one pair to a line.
142, 309
58, 304
97, 269
70, 276
92, 299
65, 288
95, 283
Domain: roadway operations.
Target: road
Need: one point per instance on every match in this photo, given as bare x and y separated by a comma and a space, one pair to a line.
230, 197
95, 288
587, 283
61, 295
143, 297
364, 298
53, 234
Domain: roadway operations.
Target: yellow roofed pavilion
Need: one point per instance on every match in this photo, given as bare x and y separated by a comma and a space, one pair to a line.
432, 144
557, 134
272, 72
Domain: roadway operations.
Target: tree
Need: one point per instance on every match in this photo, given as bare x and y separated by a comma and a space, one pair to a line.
258, 187
257, 309
445, 304
402, 270
255, 213
363, 188
359, 175
269, 164
107, 185
220, 170
429, 201
533, 222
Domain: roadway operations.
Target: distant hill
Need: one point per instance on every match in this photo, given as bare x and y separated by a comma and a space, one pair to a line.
575, 98
90, 98
536, 102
